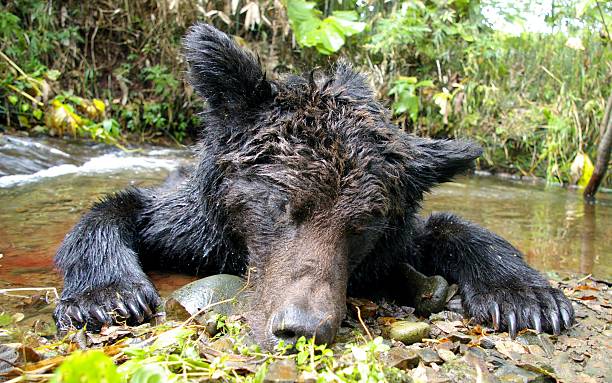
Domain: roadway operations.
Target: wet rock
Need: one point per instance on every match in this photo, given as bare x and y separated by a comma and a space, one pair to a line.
401, 358
429, 356
205, 292
513, 374
487, 343
459, 337
447, 355
429, 375
408, 332
431, 293
450, 346
282, 371
472, 367
14, 355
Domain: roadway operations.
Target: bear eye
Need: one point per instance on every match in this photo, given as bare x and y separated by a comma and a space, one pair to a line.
301, 212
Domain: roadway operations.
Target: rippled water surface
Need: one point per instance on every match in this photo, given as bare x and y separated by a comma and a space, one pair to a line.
43, 193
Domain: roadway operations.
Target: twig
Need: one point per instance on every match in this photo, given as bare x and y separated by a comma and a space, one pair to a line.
362, 323
603, 20
24, 94
551, 75
4, 291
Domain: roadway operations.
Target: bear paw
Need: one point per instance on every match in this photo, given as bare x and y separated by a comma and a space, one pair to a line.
540, 308
116, 303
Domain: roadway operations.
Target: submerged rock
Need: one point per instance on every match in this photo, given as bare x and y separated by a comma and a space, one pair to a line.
207, 292
408, 332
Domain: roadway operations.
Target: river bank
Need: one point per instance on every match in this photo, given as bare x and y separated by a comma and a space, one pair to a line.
450, 350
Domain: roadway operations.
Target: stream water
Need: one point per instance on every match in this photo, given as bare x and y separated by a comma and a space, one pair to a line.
45, 186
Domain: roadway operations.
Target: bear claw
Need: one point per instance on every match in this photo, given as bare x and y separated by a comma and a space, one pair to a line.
495, 315
540, 308
105, 306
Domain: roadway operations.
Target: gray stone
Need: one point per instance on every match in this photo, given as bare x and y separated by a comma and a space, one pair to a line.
514, 374
446, 355
487, 343
401, 358
206, 292
429, 356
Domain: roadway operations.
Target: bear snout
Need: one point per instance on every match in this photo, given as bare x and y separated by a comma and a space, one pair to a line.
293, 321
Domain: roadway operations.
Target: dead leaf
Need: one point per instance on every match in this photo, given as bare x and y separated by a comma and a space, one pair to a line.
511, 349
586, 287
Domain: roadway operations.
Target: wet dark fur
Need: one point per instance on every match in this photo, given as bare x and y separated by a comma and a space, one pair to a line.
304, 180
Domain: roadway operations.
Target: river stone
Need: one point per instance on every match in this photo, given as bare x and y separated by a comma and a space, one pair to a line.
194, 296
470, 368
431, 293
429, 356
282, 371
513, 374
402, 358
408, 332
447, 355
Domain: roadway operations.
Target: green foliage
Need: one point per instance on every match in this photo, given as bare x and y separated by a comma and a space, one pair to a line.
88, 366
406, 100
164, 82
533, 100
327, 35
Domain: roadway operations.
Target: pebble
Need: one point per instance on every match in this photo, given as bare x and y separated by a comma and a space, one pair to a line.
487, 343
511, 373
429, 356
446, 355
408, 332
461, 338
401, 358
307, 377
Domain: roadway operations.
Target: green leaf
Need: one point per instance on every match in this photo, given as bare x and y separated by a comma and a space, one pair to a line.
174, 337
345, 26
328, 35
300, 11
331, 38
37, 113
13, 99
53, 74
5, 320
150, 373
89, 366
424, 84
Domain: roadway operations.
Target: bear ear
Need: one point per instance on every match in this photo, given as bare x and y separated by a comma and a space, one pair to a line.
350, 82
225, 75
438, 161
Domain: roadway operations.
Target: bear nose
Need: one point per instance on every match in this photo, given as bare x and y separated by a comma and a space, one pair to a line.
293, 322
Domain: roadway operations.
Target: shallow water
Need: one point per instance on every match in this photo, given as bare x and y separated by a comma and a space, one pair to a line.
41, 199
